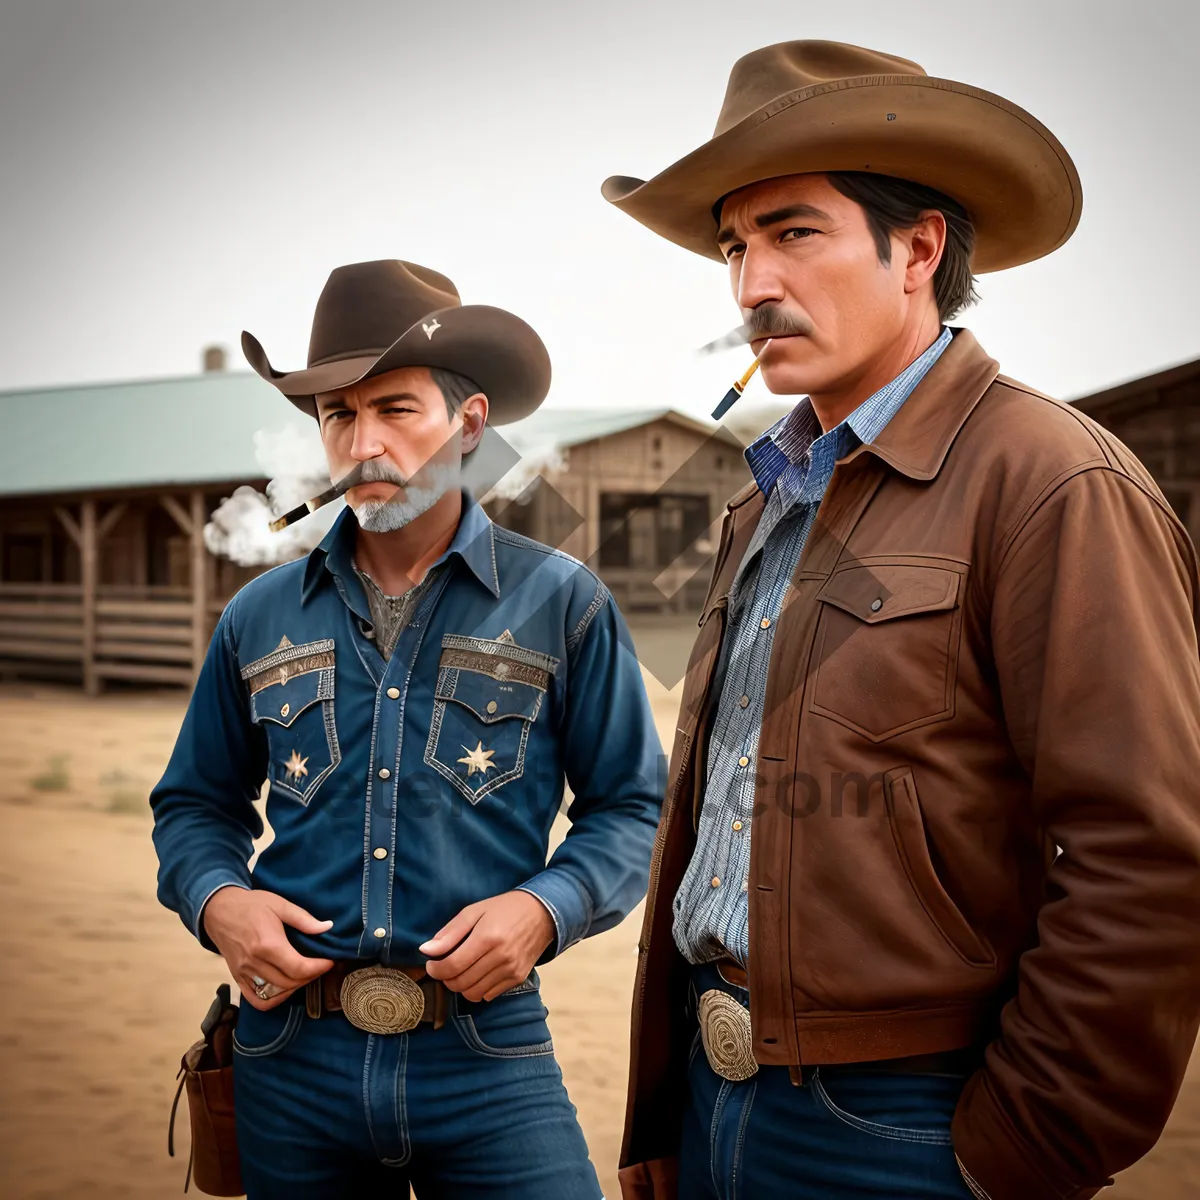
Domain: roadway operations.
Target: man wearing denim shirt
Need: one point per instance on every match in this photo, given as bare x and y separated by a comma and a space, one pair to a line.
415, 692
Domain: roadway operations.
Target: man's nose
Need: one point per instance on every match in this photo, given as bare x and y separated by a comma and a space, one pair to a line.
759, 281
367, 442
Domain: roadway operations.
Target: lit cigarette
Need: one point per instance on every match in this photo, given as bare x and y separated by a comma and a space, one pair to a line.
332, 492
734, 394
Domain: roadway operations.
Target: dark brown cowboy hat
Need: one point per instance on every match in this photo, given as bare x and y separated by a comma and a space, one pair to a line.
376, 316
811, 106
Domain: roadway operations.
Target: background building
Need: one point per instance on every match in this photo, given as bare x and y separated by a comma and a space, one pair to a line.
105, 491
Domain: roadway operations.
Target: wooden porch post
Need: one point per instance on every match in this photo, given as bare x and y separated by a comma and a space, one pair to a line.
199, 582
89, 560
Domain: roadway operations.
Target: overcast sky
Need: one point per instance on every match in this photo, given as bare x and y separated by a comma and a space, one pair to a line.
176, 172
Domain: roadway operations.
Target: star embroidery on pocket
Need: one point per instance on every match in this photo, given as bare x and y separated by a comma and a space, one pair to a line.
295, 766
478, 759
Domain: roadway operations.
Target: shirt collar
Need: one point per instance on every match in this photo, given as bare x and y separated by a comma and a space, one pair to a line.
788, 442
474, 543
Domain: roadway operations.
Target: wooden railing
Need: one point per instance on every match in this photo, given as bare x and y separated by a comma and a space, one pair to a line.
143, 634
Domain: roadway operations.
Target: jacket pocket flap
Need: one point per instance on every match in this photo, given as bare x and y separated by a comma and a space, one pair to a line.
882, 591
488, 698
284, 702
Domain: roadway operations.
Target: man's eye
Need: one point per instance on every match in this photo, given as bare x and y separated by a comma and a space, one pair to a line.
800, 232
731, 251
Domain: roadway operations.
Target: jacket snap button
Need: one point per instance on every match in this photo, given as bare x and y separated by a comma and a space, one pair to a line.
393, 693
491, 706
876, 605
384, 773
287, 708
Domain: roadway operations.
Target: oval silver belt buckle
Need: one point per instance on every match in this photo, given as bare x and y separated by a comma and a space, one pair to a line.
725, 1033
382, 1000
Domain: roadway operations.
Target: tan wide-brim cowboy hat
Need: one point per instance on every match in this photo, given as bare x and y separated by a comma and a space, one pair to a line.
377, 316
815, 107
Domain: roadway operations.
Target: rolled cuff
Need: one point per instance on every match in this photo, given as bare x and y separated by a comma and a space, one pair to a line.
569, 906
199, 894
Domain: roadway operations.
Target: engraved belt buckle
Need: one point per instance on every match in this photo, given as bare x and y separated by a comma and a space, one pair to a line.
725, 1032
382, 1000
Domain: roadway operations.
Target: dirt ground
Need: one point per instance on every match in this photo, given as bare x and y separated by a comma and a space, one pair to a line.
105, 989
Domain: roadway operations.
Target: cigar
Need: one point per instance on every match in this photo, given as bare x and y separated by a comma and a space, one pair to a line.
332, 492
734, 394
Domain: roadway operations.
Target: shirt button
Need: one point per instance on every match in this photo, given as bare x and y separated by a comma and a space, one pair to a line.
737, 826
876, 605
765, 623
716, 881
743, 761
491, 706
744, 701
381, 932
379, 852
384, 773
393, 693
287, 708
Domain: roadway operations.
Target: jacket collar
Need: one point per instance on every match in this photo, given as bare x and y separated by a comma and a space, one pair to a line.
474, 543
918, 437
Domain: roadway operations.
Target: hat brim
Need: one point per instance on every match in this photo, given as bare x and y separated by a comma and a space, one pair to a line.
1007, 169
492, 347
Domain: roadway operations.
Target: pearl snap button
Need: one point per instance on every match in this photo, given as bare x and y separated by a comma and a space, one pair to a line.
381, 932
876, 605
743, 761
379, 852
384, 773
491, 706
393, 693
716, 882
287, 708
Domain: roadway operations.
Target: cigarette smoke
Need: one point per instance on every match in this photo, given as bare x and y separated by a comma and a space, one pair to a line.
294, 461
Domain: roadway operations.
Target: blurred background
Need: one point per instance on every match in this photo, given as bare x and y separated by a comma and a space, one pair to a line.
174, 173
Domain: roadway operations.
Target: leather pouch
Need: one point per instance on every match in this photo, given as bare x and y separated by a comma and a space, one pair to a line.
206, 1072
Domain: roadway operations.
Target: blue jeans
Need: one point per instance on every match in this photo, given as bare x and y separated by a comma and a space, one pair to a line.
474, 1109
841, 1135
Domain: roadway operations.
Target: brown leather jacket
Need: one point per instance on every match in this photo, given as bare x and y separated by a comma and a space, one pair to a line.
989, 651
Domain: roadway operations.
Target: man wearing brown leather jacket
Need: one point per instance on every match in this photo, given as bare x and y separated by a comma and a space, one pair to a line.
924, 913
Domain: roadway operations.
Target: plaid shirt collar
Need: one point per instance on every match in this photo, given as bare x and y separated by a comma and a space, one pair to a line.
789, 449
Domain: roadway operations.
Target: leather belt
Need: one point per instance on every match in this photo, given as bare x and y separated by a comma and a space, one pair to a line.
379, 999
729, 1047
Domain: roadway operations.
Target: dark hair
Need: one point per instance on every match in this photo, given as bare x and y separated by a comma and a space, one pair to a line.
455, 388
892, 204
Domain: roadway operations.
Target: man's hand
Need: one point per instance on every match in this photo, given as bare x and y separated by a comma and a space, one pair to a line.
504, 936
247, 927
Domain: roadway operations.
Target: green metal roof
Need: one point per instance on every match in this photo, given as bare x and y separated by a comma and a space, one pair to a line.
200, 429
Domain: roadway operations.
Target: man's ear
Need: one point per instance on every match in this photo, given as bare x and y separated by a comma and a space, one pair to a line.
473, 411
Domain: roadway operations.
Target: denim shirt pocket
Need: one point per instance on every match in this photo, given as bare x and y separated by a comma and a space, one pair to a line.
291, 700
488, 697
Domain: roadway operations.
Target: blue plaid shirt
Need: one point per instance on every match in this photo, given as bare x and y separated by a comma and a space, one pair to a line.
792, 463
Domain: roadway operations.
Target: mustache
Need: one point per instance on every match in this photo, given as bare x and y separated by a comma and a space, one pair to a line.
373, 470
772, 320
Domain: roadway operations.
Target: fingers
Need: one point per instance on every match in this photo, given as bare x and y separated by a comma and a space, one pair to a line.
246, 985
453, 932
292, 968
494, 984
463, 959
297, 917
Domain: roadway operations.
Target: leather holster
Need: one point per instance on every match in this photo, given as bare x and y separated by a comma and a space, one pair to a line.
206, 1071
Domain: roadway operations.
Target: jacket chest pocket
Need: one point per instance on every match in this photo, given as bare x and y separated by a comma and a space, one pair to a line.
488, 696
886, 650
291, 699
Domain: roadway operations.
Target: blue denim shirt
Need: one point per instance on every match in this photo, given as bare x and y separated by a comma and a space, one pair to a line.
401, 791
